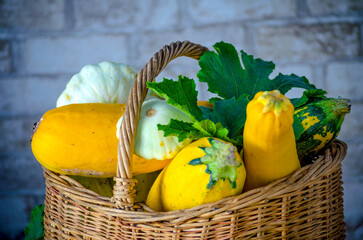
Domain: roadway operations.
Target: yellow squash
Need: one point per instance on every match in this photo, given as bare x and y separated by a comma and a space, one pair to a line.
269, 148
205, 171
80, 139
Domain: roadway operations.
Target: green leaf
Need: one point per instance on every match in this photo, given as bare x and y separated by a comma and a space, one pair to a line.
35, 229
231, 113
215, 99
257, 72
223, 73
285, 82
309, 96
181, 94
180, 129
217, 130
222, 133
196, 130
207, 127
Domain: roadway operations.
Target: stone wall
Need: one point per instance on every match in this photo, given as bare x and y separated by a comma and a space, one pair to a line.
44, 42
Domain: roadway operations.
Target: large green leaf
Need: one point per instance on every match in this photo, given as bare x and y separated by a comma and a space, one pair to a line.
181, 94
230, 113
225, 76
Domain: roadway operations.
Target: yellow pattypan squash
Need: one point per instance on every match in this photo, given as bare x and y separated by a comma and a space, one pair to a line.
205, 171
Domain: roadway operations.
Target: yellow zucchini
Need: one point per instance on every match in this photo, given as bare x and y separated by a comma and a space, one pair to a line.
269, 148
80, 139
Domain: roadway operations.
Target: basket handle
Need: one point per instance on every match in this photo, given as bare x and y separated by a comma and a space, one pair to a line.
123, 191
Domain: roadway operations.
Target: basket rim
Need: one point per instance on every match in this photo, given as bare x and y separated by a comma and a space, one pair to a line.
323, 165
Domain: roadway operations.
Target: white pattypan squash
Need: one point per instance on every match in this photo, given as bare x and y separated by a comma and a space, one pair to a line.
150, 142
106, 82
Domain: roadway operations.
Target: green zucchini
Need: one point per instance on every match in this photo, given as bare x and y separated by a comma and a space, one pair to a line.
317, 124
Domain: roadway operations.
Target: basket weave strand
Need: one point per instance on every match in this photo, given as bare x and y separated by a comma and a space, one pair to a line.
305, 205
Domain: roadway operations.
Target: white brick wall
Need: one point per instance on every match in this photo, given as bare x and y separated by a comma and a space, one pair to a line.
70, 54
353, 169
16, 133
44, 42
33, 15
30, 95
5, 56
326, 7
127, 15
304, 42
208, 36
215, 11
345, 79
353, 126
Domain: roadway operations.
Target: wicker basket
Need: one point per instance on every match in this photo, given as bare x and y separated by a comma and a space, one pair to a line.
305, 205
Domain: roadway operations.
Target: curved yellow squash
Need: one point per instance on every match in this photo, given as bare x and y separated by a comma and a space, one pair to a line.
197, 175
269, 148
80, 139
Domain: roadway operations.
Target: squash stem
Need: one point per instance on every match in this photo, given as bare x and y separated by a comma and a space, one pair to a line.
274, 101
221, 162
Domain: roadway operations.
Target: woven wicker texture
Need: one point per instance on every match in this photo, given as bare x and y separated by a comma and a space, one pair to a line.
306, 205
